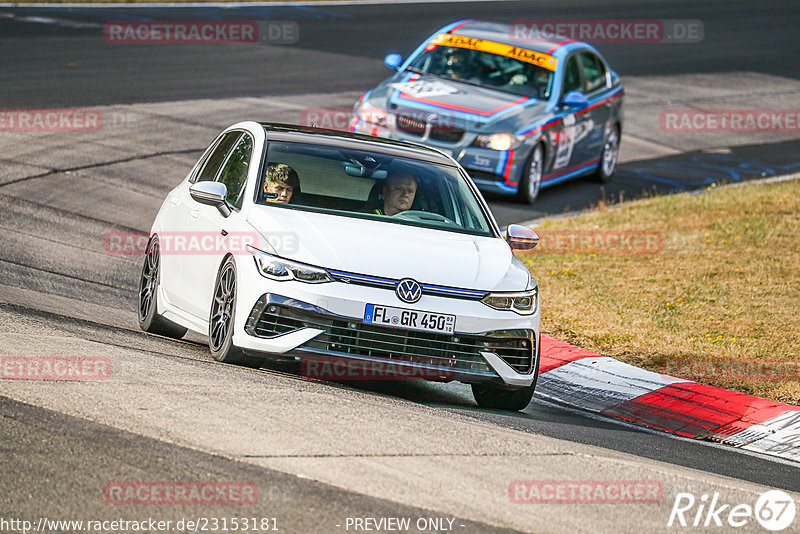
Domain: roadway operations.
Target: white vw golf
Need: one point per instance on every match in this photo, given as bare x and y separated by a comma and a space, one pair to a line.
323, 246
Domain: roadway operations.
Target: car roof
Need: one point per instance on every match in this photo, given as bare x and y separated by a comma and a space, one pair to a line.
338, 138
502, 33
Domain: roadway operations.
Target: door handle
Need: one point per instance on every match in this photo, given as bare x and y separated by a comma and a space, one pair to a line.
195, 213
174, 200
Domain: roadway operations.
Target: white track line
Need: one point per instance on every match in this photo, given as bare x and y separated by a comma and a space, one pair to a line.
228, 5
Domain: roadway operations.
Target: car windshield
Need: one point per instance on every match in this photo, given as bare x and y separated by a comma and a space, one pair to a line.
486, 70
370, 185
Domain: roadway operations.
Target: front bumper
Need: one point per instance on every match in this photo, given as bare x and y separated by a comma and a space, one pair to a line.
280, 325
495, 171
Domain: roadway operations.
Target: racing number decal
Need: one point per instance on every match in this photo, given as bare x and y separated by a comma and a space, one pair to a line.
425, 89
566, 142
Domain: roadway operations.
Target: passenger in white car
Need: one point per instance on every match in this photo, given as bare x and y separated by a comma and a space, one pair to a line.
281, 183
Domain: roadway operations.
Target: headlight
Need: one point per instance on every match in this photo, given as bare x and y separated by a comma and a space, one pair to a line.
276, 268
523, 303
373, 114
498, 141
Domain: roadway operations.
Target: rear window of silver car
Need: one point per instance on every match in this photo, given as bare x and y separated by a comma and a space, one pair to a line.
485, 69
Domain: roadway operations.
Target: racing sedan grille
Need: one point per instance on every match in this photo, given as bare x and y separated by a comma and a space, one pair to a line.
438, 132
446, 134
351, 337
410, 125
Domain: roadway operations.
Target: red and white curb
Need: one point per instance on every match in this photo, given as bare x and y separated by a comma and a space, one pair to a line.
586, 380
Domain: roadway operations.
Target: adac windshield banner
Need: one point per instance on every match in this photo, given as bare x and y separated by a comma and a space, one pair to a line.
523, 54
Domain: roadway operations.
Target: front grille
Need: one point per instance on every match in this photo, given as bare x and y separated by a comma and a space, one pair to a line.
446, 134
439, 132
410, 125
348, 336
390, 283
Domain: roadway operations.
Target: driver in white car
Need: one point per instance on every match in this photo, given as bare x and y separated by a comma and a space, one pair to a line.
399, 191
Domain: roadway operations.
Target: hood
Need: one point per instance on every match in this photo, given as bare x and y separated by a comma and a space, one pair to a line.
392, 250
457, 104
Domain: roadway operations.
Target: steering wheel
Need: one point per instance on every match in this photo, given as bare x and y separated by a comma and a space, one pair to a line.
423, 216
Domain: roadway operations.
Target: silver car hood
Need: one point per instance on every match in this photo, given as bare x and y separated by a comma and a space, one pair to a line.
468, 106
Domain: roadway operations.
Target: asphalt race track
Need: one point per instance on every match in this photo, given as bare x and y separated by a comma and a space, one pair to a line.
319, 452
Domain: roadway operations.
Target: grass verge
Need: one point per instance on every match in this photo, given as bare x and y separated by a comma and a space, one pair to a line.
718, 304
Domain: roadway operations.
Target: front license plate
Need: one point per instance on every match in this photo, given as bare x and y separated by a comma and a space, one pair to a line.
410, 319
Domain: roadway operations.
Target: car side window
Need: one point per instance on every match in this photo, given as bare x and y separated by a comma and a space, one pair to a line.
594, 72
572, 75
234, 173
217, 157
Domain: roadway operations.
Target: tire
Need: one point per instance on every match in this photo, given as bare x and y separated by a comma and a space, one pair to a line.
149, 319
507, 399
222, 318
502, 399
531, 182
608, 157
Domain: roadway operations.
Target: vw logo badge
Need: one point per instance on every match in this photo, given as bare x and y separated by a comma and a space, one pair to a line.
408, 290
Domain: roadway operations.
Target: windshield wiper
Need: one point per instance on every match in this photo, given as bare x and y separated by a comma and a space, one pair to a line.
418, 71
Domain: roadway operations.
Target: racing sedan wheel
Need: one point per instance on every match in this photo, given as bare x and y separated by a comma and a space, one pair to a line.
220, 323
532, 179
609, 156
149, 319
502, 399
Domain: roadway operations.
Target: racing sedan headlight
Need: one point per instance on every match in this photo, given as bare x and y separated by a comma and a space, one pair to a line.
280, 269
372, 114
498, 141
523, 303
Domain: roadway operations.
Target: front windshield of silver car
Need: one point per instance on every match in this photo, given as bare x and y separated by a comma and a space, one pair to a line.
487, 70
370, 185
